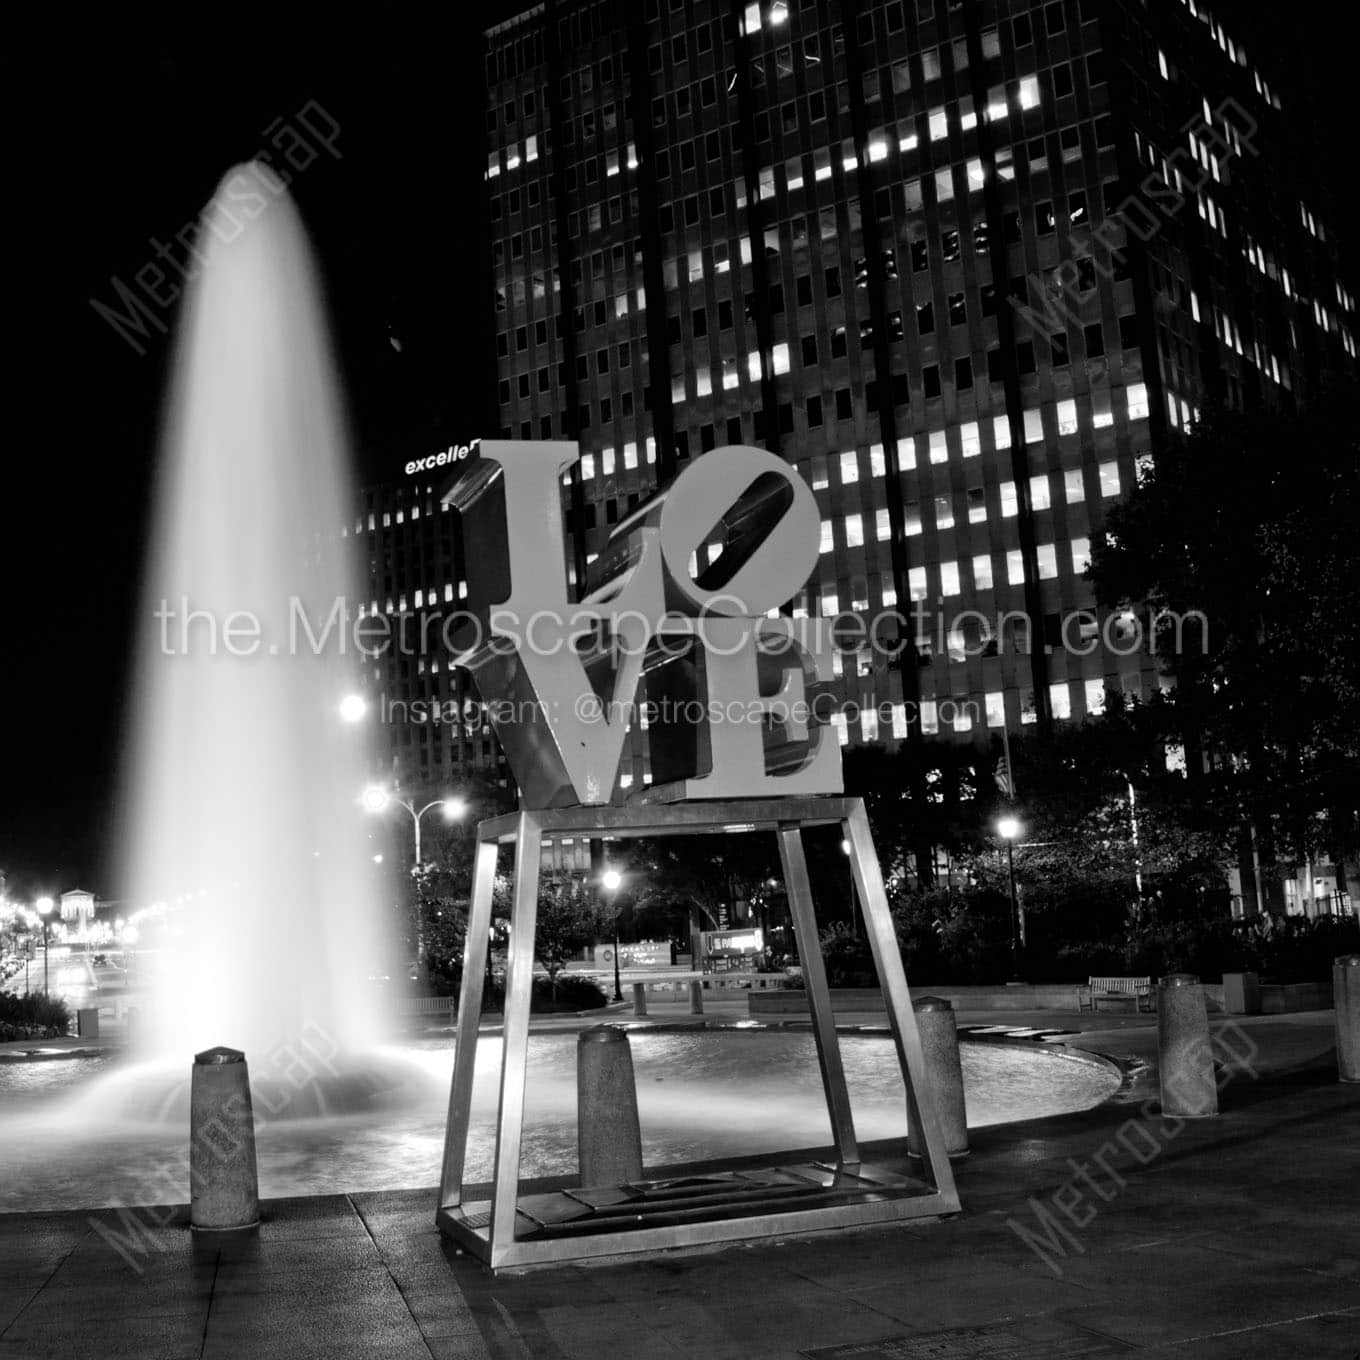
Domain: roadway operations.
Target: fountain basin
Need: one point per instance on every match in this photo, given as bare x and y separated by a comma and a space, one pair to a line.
78, 1135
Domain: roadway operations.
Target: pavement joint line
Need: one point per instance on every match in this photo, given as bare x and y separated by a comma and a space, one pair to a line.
55, 1269
1267, 1326
212, 1292
396, 1283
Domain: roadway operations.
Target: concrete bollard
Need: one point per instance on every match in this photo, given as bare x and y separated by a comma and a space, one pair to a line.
1346, 999
87, 1022
608, 1137
639, 998
1241, 993
696, 997
224, 1187
1185, 1058
944, 1076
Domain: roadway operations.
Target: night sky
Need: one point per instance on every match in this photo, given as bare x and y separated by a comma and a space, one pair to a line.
112, 142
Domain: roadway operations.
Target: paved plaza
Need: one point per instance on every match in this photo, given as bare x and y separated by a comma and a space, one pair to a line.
1107, 1232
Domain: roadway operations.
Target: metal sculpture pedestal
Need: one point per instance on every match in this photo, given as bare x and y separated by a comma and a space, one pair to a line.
511, 1230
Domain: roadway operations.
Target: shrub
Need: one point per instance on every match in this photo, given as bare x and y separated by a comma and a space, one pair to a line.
33, 1016
574, 993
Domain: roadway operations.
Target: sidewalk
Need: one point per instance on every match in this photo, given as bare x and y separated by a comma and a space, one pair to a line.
1234, 1237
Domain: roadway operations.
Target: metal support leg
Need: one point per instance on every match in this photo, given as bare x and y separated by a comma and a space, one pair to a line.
469, 1017
819, 997
519, 980
893, 979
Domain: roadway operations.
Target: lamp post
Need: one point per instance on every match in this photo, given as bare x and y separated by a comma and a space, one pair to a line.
610, 880
377, 799
1009, 829
45, 905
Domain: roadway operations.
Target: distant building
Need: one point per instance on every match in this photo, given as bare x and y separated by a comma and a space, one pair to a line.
77, 907
965, 265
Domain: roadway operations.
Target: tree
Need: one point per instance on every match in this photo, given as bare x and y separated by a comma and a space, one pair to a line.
1245, 530
681, 877
569, 918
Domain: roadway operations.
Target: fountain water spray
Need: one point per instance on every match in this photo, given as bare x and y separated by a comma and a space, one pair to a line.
242, 788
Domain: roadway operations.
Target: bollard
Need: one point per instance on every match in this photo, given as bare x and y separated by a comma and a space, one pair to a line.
696, 997
639, 998
608, 1138
1185, 1059
224, 1188
1346, 999
1241, 993
87, 1022
944, 1076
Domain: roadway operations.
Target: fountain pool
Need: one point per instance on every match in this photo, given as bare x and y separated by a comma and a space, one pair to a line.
72, 1142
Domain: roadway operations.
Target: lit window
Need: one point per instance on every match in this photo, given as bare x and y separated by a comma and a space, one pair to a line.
1029, 92
1081, 554
939, 124
878, 149
1109, 479
911, 519
1038, 491
868, 723
587, 467
976, 178
1009, 501
1138, 401
838, 722
882, 526
849, 468
831, 605
1067, 417
944, 512
1060, 700
963, 716
971, 439
1095, 696
939, 447
828, 539
703, 382
916, 583
1001, 432
994, 702
899, 721
1034, 427
878, 465
949, 578
780, 359
629, 456
982, 572
1072, 486
854, 531
1046, 556
1101, 415
930, 722
1015, 567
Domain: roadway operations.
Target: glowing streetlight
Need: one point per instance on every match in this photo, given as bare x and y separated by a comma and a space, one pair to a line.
377, 799
353, 708
1009, 829
45, 906
611, 880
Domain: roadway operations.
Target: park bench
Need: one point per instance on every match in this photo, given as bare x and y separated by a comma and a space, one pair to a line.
1135, 989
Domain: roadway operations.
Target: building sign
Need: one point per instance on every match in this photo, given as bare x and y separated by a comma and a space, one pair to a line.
455, 453
640, 954
730, 685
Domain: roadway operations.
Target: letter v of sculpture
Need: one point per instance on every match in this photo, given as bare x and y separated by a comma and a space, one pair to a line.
560, 677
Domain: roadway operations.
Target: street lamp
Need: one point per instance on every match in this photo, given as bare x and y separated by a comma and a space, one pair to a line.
353, 708
610, 881
45, 905
1009, 829
377, 799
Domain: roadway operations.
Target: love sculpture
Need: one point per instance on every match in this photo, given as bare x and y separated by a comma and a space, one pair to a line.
736, 697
